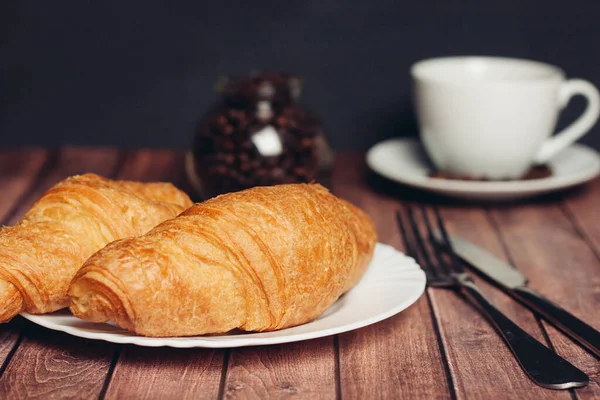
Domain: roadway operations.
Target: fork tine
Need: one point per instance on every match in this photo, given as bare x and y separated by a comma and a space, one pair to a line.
456, 265
410, 249
404, 233
442, 263
419, 240
417, 249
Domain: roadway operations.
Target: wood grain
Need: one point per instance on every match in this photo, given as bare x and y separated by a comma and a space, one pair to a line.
398, 357
166, 373
153, 166
155, 373
304, 369
544, 244
18, 172
584, 212
9, 336
48, 363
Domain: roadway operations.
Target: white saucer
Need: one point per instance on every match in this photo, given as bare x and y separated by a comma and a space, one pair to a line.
404, 161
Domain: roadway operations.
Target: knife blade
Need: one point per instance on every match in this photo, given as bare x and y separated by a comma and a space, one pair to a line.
487, 263
515, 284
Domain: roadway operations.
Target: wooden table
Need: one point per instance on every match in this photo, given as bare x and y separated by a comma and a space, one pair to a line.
438, 348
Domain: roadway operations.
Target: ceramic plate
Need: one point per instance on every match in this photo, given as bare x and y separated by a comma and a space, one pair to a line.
392, 282
404, 161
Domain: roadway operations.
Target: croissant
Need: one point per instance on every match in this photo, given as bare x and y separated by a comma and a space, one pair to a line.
261, 259
40, 255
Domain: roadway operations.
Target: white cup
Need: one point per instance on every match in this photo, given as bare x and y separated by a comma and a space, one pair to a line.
493, 118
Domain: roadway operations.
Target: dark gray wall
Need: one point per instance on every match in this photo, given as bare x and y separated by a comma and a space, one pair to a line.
140, 73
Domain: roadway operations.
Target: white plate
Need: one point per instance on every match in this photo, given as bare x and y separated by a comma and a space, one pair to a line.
404, 161
392, 282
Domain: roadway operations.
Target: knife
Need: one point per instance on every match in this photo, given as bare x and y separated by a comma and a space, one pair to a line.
515, 284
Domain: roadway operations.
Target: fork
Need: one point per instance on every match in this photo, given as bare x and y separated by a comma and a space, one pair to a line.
443, 269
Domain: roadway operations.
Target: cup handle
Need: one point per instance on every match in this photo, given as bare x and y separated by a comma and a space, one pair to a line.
581, 126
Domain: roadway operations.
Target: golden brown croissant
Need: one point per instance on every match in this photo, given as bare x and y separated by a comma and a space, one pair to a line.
40, 255
262, 259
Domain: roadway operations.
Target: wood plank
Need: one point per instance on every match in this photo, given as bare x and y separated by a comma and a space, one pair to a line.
545, 245
142, 372
162, 373
153, 166
49, 363
398, 357
10, 334
582, 208
305, 369
18, 172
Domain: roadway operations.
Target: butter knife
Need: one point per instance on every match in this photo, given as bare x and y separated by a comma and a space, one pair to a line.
515, 284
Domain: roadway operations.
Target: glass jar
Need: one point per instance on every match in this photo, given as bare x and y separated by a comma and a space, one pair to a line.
256, 135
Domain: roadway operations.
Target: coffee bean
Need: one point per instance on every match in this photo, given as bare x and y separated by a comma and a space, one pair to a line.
263, 180
247, 145
271, 161
300, 172
243, 157
228, 145
306, 143
254, 164
282, 121
221, 169
228, 129
261, 172
229, 159
277, 174
221, 120
245, 167
236, 114
287, 163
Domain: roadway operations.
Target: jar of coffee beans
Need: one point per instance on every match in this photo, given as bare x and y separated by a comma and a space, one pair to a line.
257, 134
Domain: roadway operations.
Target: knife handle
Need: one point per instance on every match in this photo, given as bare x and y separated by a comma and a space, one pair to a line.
542, 365
562, 319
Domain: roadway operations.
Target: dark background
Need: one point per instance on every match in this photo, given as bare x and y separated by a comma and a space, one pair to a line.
141, 73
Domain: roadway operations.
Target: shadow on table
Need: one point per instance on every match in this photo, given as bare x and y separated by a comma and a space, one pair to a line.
386, 187
56, 345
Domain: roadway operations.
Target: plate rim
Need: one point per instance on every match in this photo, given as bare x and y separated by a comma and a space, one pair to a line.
517, 187
238, 340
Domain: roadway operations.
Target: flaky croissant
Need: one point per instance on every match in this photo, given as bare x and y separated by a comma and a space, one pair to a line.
40, 255
262, 259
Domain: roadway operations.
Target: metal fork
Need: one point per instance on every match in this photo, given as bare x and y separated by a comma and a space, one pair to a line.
443, 269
